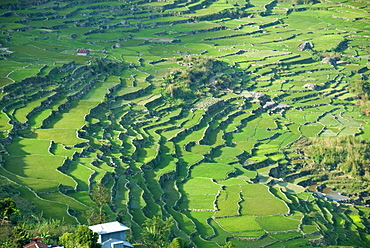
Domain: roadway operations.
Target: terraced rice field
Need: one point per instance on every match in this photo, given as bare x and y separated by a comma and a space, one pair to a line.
215, 163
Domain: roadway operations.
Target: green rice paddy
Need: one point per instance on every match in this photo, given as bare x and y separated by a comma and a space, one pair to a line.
222, 171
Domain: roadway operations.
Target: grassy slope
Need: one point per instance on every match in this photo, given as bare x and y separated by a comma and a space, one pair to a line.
208, 169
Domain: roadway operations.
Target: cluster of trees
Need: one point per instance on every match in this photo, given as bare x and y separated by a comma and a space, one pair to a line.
84, 237
17, 229
362, 89
340, 163
155, 231
104, 65
20, 220
200, 75
12, 236
7, 209
348, 154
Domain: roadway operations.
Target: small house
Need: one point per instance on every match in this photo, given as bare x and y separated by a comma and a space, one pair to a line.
36, 243
83, 52
112, 235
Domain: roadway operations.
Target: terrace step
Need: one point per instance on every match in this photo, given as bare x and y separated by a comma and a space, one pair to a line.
132, 119
136, 201
171, 196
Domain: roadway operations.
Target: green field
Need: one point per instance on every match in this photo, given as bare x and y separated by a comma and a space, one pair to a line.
190, 110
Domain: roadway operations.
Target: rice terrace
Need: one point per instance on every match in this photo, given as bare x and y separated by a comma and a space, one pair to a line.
244, 121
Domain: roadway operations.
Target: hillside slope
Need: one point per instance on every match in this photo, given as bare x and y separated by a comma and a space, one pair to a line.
185, 109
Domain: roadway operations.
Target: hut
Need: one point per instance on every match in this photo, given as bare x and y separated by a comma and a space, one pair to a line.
83, 52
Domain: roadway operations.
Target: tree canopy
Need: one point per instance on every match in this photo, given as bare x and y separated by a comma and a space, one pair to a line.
84, 237
199, 75
347, 154
155, 231
101, 196
8, 208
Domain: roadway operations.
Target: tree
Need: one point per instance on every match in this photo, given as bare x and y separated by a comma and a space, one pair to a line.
84, 237
8, 208
155, 232
100, 196
13, 236
67, 239
95, 217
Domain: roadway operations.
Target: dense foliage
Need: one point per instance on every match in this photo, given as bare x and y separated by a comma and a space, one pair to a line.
101, 197
201, 76
155, 232
362, 89
82, 238
8, 209
341, 163
347, 154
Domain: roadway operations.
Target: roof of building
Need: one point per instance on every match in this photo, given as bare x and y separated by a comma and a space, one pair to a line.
36, 239
109, 227
36, 244
83, 50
